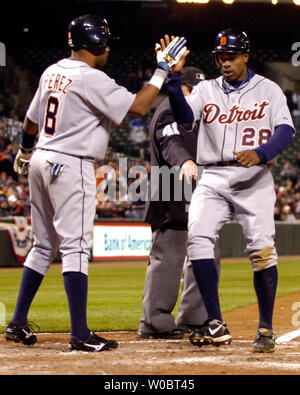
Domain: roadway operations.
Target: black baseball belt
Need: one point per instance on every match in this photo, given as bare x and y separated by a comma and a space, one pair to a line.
224, 163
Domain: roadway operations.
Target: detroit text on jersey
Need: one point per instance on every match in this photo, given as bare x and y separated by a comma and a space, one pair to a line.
212, 112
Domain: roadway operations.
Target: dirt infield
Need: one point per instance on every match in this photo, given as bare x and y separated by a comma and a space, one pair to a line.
154, 357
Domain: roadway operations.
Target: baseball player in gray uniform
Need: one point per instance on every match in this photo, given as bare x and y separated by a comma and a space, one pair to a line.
244, 124
72, 110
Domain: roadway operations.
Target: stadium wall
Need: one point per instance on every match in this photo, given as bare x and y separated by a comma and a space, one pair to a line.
232, 242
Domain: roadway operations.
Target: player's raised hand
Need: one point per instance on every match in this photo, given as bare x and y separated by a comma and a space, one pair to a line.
170, 52
181, 62
189, 170
247, 158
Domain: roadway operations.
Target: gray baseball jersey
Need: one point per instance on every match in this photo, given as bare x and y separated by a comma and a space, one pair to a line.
241, 120
74, 107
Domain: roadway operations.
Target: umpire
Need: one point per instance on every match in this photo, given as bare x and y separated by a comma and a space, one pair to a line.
168, 219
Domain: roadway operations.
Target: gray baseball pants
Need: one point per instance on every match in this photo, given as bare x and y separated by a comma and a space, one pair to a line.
63, 211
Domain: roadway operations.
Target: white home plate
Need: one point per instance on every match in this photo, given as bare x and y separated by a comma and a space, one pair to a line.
288, 337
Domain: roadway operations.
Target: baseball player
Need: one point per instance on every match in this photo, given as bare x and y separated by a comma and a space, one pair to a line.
72, 110
244, 124
168, 219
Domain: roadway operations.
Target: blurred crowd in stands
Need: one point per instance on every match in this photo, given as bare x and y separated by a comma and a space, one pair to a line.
121, 186
287, 207
14, 192
129, 143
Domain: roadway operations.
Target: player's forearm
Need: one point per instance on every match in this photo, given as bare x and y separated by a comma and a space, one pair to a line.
283, 135
182, 112
146, 96
29, 126
144, 99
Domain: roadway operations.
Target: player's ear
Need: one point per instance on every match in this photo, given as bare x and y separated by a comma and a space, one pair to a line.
246, 57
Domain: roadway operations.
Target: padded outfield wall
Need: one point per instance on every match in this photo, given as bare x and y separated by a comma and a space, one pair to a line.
125, 244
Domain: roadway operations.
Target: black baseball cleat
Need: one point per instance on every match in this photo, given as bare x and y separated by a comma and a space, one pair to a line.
264, 341
174, 334
93, 343
188, 328
213, 332
20, 333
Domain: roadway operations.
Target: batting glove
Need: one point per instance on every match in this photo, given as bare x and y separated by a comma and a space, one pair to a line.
22, 160
167, 58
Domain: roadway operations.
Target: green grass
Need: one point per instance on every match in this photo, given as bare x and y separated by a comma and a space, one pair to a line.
115, 294
236, 285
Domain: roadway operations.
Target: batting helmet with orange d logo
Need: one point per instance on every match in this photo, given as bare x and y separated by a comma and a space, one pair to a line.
232, 40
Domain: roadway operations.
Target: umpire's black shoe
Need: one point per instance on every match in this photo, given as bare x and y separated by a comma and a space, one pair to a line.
20, 333
264, 341
213, 332
92, 343
174, 334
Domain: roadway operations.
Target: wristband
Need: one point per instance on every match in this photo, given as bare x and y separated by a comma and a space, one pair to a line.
27, 140
158, 78
25, 150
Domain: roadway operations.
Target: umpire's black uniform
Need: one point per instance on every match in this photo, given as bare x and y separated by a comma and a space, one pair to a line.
168, 220
170, 150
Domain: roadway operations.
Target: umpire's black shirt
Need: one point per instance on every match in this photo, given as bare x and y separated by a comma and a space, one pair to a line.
168, 150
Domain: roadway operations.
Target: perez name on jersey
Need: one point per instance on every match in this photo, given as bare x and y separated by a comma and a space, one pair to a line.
58, 82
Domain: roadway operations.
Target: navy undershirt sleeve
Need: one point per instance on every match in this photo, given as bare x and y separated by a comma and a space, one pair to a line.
282, 136
182, 112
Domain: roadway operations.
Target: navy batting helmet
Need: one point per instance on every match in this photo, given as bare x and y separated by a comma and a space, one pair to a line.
231, 41
90, 32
